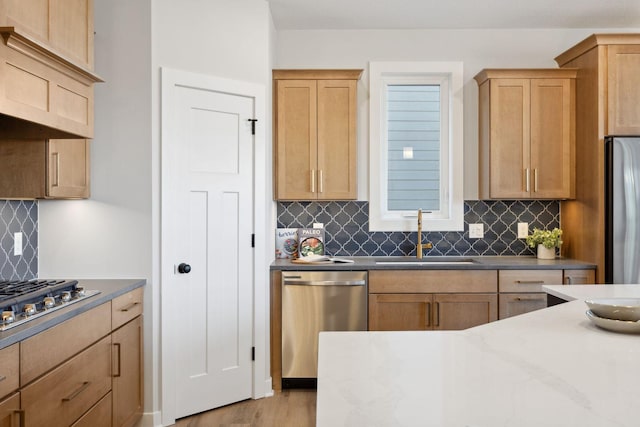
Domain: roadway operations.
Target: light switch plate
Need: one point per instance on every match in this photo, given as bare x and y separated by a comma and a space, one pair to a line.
476, 231
523, 230
17, 243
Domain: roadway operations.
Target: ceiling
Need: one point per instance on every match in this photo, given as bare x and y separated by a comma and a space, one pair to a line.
453, 14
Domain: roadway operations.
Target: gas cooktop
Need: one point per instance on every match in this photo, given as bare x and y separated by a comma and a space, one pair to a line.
21, 301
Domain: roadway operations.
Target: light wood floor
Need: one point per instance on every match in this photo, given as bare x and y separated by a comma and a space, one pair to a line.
289, 408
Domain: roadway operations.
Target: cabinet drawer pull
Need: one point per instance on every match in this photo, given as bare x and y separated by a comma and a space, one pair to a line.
437, 314
20, 414
130, 306
80, 389
119, 360
528, 299
530, 282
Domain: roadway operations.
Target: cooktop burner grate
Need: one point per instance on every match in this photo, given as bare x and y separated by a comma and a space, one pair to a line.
21, 301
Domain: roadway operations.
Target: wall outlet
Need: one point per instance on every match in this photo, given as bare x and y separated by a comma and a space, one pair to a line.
476, 231
17, 243
523, 230
318, 225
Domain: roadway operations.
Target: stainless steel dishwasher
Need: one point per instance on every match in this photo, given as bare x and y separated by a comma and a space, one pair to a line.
315, 301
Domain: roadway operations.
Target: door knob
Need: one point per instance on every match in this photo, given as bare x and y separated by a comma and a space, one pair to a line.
184, 268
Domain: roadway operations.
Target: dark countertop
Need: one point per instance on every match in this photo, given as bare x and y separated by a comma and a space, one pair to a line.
436, 263
109, 289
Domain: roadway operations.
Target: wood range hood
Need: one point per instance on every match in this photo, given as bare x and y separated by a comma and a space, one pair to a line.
43, 94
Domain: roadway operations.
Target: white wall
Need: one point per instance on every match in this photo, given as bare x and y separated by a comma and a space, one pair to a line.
478, 49
109, 235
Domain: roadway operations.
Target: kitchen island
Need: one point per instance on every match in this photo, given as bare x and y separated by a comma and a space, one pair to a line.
550, 367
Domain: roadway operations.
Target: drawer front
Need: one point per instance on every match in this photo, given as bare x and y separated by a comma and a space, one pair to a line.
514, 304
432, 281
48, 349
579, 277
126, 307
10, 413
9, 370
67, 392
98, 416
527, 280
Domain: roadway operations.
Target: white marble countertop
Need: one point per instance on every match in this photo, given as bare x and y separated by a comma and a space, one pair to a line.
583, 292
551, 367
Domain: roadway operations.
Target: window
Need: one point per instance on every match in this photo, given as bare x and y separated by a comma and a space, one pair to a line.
415, 146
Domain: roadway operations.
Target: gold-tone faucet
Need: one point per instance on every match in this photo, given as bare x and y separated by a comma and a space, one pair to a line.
419, 245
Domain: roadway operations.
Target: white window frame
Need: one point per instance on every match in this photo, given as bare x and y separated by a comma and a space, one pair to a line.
450, 217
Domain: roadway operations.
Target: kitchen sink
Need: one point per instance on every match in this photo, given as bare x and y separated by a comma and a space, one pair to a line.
424, 261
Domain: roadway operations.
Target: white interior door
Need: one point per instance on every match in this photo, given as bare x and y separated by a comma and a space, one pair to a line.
207, 220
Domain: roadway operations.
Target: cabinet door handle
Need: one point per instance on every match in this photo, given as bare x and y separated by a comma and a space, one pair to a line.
2, 378
530, 282
535, 180
130, 306
80, 389
56, 175
320, 182
20, 414
526, 179
118, 355
436, 314
568, 281
313, 181
428, 315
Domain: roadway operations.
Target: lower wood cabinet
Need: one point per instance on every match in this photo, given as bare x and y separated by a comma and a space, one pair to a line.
401, 300
579, 277
411, 312
127, 373
83, 372
521, 290
10, 413
63, 395
98, 416
514, 304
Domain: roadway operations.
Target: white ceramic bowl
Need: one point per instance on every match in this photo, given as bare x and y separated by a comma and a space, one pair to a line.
627, 309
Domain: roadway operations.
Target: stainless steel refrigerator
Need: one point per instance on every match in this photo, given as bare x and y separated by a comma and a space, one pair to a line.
622, 209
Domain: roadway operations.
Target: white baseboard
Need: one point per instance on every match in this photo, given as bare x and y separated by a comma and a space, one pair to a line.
150, 419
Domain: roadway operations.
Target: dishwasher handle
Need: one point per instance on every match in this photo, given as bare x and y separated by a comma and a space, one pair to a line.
292, 280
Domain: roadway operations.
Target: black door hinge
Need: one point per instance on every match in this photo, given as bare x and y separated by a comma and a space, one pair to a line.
253, 240
253, 353
253, 125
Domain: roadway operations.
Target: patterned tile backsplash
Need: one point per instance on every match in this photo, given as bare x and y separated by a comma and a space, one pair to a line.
15, 216
347, 228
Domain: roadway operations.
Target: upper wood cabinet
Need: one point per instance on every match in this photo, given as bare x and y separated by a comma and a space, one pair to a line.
607, 94
44, 169
315, 134
65, 26
46, 61
526, 133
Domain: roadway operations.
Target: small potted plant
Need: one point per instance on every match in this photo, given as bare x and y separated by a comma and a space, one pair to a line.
546, 242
